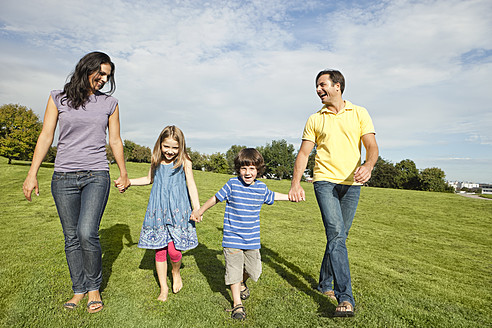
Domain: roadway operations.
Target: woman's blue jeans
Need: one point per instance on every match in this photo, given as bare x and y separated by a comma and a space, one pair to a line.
80, 199
337, 204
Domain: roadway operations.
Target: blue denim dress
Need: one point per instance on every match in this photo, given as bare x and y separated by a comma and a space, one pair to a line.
168, 213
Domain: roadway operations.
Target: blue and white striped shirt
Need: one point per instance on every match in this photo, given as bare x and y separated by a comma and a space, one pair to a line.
242, 212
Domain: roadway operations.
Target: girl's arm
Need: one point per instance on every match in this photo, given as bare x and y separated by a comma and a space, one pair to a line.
143, 181
117, 148
192, 190
208, 204
43, 144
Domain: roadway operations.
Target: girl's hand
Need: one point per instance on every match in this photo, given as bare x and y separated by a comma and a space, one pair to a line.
195, 216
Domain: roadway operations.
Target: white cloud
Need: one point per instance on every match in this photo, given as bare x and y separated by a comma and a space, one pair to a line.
230, 72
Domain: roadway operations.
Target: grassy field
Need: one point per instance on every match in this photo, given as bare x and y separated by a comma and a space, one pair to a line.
418, 259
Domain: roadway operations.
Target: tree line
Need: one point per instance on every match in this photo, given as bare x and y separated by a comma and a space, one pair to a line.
20, 128
405, 175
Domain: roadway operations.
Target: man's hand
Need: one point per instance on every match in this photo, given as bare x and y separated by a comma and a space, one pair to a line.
362, 174
296, 193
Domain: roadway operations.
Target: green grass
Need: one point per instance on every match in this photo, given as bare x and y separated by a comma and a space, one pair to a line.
418, 259
486, 196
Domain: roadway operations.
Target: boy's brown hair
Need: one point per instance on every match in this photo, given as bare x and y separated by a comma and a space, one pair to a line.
247, 157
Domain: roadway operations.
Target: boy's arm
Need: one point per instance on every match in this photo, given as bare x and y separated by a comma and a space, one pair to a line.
208, 204
279, 196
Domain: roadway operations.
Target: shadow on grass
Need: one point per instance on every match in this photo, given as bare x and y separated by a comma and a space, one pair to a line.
148, 263
211, 268
291, 273
112, 245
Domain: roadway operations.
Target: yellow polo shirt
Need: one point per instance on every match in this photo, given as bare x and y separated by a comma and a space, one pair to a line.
338, 142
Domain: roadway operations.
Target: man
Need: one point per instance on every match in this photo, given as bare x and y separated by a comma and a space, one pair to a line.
337, 131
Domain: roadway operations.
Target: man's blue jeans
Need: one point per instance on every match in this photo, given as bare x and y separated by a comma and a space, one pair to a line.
80, 199
337, 204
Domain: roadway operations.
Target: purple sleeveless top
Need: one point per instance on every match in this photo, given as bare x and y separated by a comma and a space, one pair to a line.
82, 139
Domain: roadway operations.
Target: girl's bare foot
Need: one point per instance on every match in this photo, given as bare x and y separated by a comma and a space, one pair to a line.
163, 295
177, 282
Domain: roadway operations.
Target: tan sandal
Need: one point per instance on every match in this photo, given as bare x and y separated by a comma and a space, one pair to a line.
344, 309
330, 294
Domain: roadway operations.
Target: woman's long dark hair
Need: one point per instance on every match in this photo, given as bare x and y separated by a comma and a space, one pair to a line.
78, 89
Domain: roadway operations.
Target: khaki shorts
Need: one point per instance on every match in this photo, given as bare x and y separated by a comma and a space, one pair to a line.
238, 261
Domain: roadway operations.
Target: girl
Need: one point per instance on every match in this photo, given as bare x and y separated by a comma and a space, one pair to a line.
167, 227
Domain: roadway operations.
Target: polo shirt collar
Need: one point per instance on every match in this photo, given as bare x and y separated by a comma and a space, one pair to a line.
348, 106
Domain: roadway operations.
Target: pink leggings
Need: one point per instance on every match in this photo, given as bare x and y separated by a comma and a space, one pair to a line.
174, 254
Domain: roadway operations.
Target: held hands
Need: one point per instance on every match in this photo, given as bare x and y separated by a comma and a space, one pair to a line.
122, 183
29, 184
296, 193
195, 216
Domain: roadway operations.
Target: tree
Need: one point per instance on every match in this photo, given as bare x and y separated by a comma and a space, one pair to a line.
109, 154
19, 132
198, 160
384, 174
311, 162
51, 155
136, 153
141, 154
408, 175
217, 163
432, 179
231, 155
279, 159
128, 147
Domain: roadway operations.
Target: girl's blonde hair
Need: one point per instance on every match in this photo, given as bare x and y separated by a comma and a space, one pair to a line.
175, 133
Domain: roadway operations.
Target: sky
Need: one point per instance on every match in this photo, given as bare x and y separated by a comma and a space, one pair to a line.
242, 72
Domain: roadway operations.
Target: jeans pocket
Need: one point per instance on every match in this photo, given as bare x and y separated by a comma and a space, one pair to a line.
57, 176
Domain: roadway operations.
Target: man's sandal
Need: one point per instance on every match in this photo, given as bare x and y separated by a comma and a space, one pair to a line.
244, 294
344, 309
330, 294
238, 312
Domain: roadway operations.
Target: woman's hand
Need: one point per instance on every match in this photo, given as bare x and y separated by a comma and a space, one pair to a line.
122, 183
29, 184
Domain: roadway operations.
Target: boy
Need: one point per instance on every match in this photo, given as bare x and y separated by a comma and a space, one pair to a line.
241, 241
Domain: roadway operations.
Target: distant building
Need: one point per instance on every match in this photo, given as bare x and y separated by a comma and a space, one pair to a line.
458, 185
486, 188
453, 184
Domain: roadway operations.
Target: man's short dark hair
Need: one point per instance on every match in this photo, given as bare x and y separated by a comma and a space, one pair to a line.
247, 157
335, 77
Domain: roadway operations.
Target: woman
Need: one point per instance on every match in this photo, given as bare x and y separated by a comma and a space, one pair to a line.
80, 183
